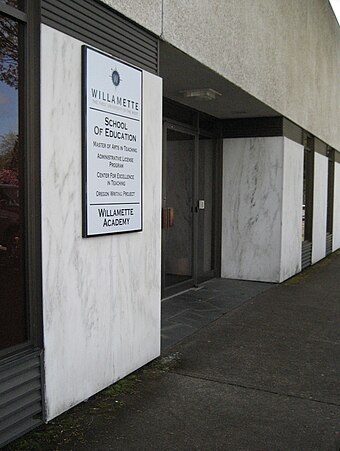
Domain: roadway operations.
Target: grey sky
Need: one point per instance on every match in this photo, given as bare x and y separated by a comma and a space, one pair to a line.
336, 8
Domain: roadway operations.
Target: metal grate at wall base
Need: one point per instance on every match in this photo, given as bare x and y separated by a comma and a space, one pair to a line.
100, 26
329, 243
306, 257
20, 396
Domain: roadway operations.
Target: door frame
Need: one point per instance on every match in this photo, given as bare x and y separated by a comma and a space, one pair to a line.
181, 286
215, 272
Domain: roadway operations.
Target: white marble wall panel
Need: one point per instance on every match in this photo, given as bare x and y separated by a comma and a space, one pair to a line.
319, 207
336, 211
251, 208
291, 209
101, 296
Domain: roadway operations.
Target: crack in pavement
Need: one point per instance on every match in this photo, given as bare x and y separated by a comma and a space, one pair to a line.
249, 387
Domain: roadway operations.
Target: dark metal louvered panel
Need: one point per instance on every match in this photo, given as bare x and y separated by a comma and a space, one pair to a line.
306, 257
329, 243
20, 396
252, 127
98, 25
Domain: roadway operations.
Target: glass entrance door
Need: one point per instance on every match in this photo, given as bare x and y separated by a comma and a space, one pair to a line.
189, 208
178, 219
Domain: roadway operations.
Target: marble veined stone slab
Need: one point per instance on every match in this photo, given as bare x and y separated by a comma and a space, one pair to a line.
261, 208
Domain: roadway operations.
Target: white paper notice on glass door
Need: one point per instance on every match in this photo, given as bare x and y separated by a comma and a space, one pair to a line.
112, 141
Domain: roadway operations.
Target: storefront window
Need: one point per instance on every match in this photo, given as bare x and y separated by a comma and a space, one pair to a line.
13, 317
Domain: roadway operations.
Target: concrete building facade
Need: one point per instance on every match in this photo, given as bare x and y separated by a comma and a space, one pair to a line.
237, 157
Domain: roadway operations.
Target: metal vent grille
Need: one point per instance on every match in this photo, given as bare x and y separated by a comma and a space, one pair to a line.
252, 127
306, 259
99, 26
329, 243
20, 397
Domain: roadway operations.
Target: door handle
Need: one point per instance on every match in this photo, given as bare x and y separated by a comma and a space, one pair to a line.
168, 218
171, 217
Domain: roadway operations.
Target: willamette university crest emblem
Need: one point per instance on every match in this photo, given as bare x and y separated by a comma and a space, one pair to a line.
115, 77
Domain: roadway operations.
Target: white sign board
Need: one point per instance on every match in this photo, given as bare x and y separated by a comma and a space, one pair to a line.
112, 145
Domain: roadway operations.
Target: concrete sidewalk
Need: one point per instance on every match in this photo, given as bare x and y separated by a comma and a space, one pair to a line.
264, 376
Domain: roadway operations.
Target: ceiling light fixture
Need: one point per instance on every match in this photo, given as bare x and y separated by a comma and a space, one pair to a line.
201, 94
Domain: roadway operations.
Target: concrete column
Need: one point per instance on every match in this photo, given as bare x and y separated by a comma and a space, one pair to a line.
101, 296
336, 214
291, 233
319, 207
261, 208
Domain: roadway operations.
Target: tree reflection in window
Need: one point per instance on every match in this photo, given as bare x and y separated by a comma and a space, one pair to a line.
9, 76
9, 52
13, 318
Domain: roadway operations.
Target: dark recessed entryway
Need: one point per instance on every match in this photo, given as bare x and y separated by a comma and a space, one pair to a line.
189, 203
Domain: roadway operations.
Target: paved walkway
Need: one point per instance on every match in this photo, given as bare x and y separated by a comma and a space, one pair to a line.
186, 313
263, 376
